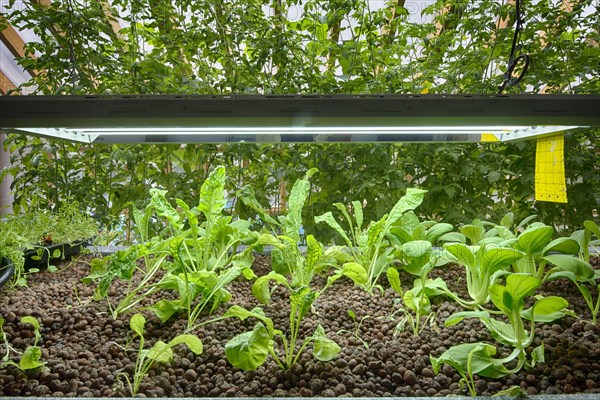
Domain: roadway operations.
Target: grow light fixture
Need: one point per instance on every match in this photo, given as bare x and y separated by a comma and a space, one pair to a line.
297, 118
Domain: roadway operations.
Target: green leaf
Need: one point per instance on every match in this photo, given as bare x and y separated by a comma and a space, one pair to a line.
511, 297
257, 312
356, 272
473, 232
249, 350
537, 355
191, 341
581, 269
261, 289
137, 324
533, 240
212, 194
459, 316
325, 349
411, 200
462, 253
165, 309
160, 352
417, 248
330, 220
393, 277
496, 258
438, 230
547, 309
562, 245
592, 227
400, 234
31, 358
31, 321
453, 237
475, 358
358, 213
508, 220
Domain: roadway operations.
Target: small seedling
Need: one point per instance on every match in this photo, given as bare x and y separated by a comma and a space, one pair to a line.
30, 359
356, 332
161, 352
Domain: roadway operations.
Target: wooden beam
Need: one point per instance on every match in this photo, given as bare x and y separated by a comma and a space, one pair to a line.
110, 18
15, 44
5, 84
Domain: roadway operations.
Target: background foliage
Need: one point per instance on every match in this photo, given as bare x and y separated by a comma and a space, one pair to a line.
288, 46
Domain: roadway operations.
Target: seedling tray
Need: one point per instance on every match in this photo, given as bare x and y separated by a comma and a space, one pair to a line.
40, 257
7, 270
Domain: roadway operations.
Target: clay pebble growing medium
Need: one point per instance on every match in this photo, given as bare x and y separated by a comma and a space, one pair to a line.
82, 346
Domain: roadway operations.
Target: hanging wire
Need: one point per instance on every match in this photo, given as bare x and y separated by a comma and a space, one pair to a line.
513, 61
73, 59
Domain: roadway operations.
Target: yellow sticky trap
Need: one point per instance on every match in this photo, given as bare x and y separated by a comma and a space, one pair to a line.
489, 137
550, 182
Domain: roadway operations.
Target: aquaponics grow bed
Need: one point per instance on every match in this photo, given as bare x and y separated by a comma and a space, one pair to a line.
83, 346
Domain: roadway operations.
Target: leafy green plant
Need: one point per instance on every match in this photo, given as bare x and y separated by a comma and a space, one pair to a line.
286, 258
249, 350
420, 261
30, 359
535, 241
509, 299
483, 265
584, 238
160, 352
370, 248
581, 274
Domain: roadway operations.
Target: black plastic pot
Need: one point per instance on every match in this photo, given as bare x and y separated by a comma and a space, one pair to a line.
39, 258
7, 269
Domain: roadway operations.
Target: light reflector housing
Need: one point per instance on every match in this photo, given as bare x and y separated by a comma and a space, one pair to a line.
297, 118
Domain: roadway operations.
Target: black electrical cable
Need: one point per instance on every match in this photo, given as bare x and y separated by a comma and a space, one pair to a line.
512, 60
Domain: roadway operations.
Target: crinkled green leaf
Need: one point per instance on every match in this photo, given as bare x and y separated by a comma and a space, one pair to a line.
212, 194
249, 350
31, 358
324, 349
164, 309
